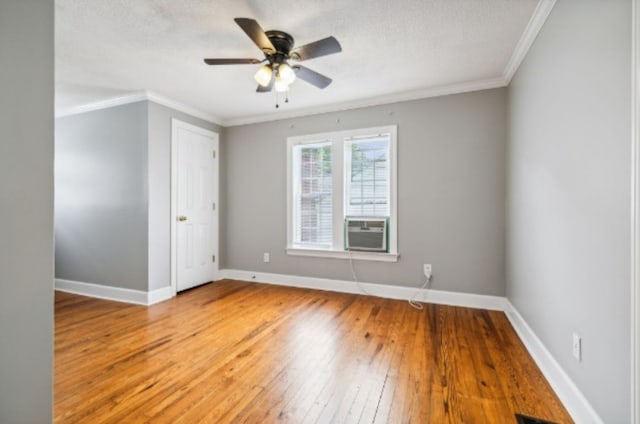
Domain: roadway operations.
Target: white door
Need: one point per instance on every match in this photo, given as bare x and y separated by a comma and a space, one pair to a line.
194, 205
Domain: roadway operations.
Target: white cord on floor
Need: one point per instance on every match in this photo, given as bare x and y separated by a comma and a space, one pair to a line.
412, 301
355, 278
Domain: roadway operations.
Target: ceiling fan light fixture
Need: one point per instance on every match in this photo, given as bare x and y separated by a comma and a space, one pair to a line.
275, 73
263, 76
286, 73
281, 85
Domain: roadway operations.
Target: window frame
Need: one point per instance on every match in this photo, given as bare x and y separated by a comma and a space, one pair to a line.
338, 141
348, 164
295, 218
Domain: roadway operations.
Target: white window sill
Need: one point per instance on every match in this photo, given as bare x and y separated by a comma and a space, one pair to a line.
341, 254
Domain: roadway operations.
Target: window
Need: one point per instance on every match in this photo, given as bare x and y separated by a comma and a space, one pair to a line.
338, 175
367, 177
313, 195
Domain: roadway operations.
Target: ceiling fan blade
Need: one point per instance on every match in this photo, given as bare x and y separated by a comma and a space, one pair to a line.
224, 61
318, 48
312, 77
257, 35
268, 88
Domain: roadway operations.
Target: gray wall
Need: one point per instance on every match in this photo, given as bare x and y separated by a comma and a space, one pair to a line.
26, 213
568, 195
160, 189
451, 193
113, 195
101, 221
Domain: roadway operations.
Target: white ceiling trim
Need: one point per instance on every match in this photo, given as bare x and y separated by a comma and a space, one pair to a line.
173, 104
374, 101
139, 97
539, 17
103, 104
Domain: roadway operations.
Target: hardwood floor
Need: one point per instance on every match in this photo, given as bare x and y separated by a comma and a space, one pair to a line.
233, 351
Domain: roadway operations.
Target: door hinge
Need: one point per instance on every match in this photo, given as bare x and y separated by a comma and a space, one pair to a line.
213, 258
214, 206
214, 154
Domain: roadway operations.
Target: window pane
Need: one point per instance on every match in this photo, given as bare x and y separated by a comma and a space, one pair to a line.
313, 199
367, 185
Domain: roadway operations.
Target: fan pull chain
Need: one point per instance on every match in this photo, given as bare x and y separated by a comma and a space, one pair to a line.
286, 97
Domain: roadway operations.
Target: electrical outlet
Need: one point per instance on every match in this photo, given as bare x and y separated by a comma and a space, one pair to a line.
426, 268
577, 347
266, 257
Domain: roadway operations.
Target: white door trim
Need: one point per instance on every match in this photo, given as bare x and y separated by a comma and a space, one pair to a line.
175, 125
635, 213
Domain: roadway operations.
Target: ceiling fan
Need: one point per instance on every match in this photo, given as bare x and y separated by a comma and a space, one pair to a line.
278, 49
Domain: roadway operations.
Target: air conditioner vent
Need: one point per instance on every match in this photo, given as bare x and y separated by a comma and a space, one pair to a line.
366, 234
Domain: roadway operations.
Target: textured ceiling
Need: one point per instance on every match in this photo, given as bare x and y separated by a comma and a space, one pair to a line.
110, 48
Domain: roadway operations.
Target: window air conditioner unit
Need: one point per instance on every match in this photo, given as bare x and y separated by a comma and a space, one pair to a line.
366, 234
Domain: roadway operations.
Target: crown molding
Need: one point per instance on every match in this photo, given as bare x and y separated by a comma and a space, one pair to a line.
102, 104
539, 17
444, 90
368, 102
139, 97
174, 104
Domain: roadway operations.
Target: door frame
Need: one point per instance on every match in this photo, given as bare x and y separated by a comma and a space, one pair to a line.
177, 124
635, 212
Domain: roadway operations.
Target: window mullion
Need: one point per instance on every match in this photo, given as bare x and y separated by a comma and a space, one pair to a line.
393, 191
337, 147
295, 211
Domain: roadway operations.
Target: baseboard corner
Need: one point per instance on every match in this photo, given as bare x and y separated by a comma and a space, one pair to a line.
160, 295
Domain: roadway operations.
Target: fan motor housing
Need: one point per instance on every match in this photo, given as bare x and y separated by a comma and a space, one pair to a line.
282, 41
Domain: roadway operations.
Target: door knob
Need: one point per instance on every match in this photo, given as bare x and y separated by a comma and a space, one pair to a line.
182, 218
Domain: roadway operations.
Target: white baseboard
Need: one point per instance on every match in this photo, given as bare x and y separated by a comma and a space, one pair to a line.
160, 295
117, 294
571, 397
496, 303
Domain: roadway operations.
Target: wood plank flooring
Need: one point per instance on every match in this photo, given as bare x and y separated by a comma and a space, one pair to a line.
234, 351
